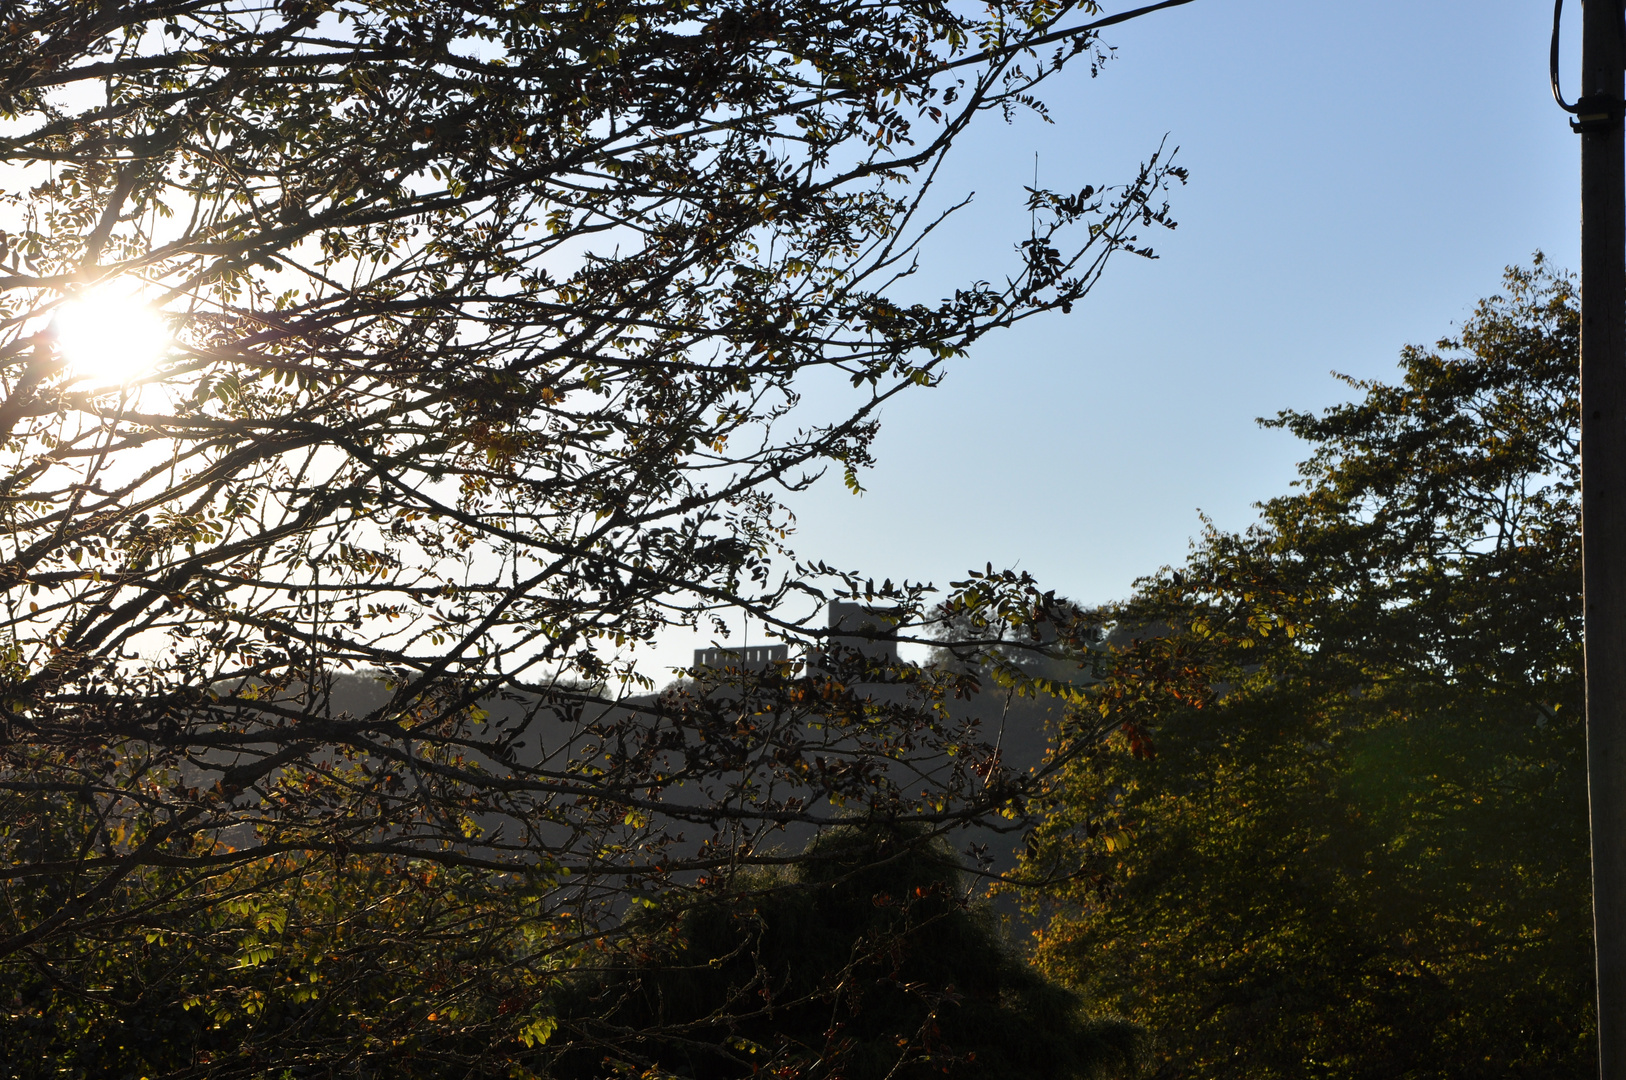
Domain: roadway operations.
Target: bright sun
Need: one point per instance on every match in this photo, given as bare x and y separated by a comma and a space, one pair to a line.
111, 336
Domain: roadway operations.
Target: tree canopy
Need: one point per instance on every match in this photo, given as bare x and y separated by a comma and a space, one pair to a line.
1339, 826
869, 952
477, 332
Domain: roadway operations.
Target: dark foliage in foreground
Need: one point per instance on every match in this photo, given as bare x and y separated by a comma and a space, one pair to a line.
869, 961
870, 955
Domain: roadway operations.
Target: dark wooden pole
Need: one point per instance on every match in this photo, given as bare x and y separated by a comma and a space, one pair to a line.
1603, 503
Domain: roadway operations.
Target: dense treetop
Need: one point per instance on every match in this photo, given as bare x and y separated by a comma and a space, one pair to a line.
1339, 828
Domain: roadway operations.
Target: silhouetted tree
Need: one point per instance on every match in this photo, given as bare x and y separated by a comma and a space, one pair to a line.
475, 332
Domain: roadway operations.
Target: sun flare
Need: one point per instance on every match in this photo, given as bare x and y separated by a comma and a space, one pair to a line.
111, 336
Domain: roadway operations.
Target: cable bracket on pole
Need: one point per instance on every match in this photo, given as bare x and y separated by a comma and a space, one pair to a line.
1598, 112
1593, 112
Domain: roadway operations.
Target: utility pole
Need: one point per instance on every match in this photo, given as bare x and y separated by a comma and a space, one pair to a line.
1598, 119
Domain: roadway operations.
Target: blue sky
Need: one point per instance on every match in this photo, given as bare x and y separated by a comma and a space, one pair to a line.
1360, 175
